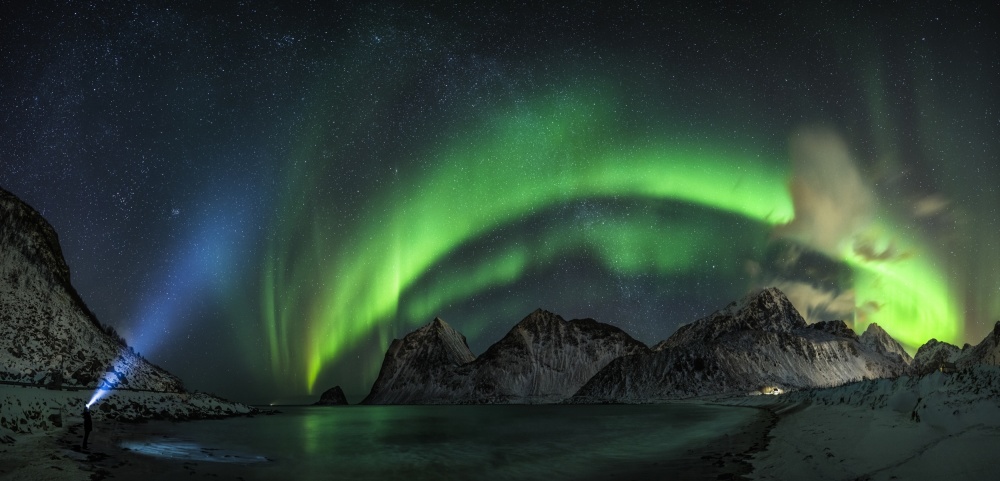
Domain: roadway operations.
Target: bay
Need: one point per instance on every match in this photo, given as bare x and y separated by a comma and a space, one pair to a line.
497, 442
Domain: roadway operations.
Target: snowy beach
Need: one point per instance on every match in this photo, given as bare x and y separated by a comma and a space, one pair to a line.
938, 426
41, 429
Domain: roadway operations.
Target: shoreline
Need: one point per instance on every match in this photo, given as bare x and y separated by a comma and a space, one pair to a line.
56, 455
815, 434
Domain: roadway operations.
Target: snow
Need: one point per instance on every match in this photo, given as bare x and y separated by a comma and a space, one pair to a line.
759, 341
48, 335
40, 429
867, 430
26, 410
844, 442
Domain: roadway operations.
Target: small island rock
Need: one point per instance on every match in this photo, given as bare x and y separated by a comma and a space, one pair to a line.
333, 397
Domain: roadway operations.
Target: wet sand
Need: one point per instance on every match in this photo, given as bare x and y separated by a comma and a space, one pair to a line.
729, 457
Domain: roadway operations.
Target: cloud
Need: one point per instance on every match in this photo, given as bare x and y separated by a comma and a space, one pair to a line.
930, 206
816, 304
867, 248
813, 282
832, 203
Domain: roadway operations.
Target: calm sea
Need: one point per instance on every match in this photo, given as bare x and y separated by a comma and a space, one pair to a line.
549, 442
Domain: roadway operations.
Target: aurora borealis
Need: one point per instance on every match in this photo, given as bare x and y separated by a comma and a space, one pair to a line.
277, 192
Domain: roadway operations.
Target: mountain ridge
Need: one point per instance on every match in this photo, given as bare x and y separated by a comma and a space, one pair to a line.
543, 358
758, 342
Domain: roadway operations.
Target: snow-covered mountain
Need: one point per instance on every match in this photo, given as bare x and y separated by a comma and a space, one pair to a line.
876, 340
935, 354
543, 359
758, 342
48, 336
932, 355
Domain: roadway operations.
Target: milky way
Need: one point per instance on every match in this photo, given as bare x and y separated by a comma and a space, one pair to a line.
261, 198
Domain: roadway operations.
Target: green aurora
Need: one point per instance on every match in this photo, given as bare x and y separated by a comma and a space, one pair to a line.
521, 162
294, 185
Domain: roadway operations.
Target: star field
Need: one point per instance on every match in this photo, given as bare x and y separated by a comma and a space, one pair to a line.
261, 197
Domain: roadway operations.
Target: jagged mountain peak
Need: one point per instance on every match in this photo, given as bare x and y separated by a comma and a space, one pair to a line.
932, 355
764, 310
876, 339
769, 299
439, 325
542, 326
540, 317
452, 344
835, 327
422, 357
986, 352
934, 344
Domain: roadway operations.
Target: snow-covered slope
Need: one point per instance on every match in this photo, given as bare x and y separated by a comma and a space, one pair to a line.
986, 352
876, 340
542, 359
26, 410
757, 342
47, 334
935, 354
934, 426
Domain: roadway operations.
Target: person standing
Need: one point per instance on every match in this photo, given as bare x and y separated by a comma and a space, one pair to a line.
88, 425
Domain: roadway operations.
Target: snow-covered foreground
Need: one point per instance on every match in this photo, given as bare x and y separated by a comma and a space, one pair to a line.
41, 429
939, 426
844, 442
30, 410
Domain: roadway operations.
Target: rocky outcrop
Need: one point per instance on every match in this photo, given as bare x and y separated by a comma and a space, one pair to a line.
48, 336
332, 397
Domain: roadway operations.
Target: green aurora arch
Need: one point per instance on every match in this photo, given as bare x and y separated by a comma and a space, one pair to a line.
554, 151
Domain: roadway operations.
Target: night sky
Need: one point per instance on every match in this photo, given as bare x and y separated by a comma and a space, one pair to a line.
260, 198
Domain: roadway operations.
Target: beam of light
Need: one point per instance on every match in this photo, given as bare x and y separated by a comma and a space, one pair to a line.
112, 376
204, 261
98, 394
525, 161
